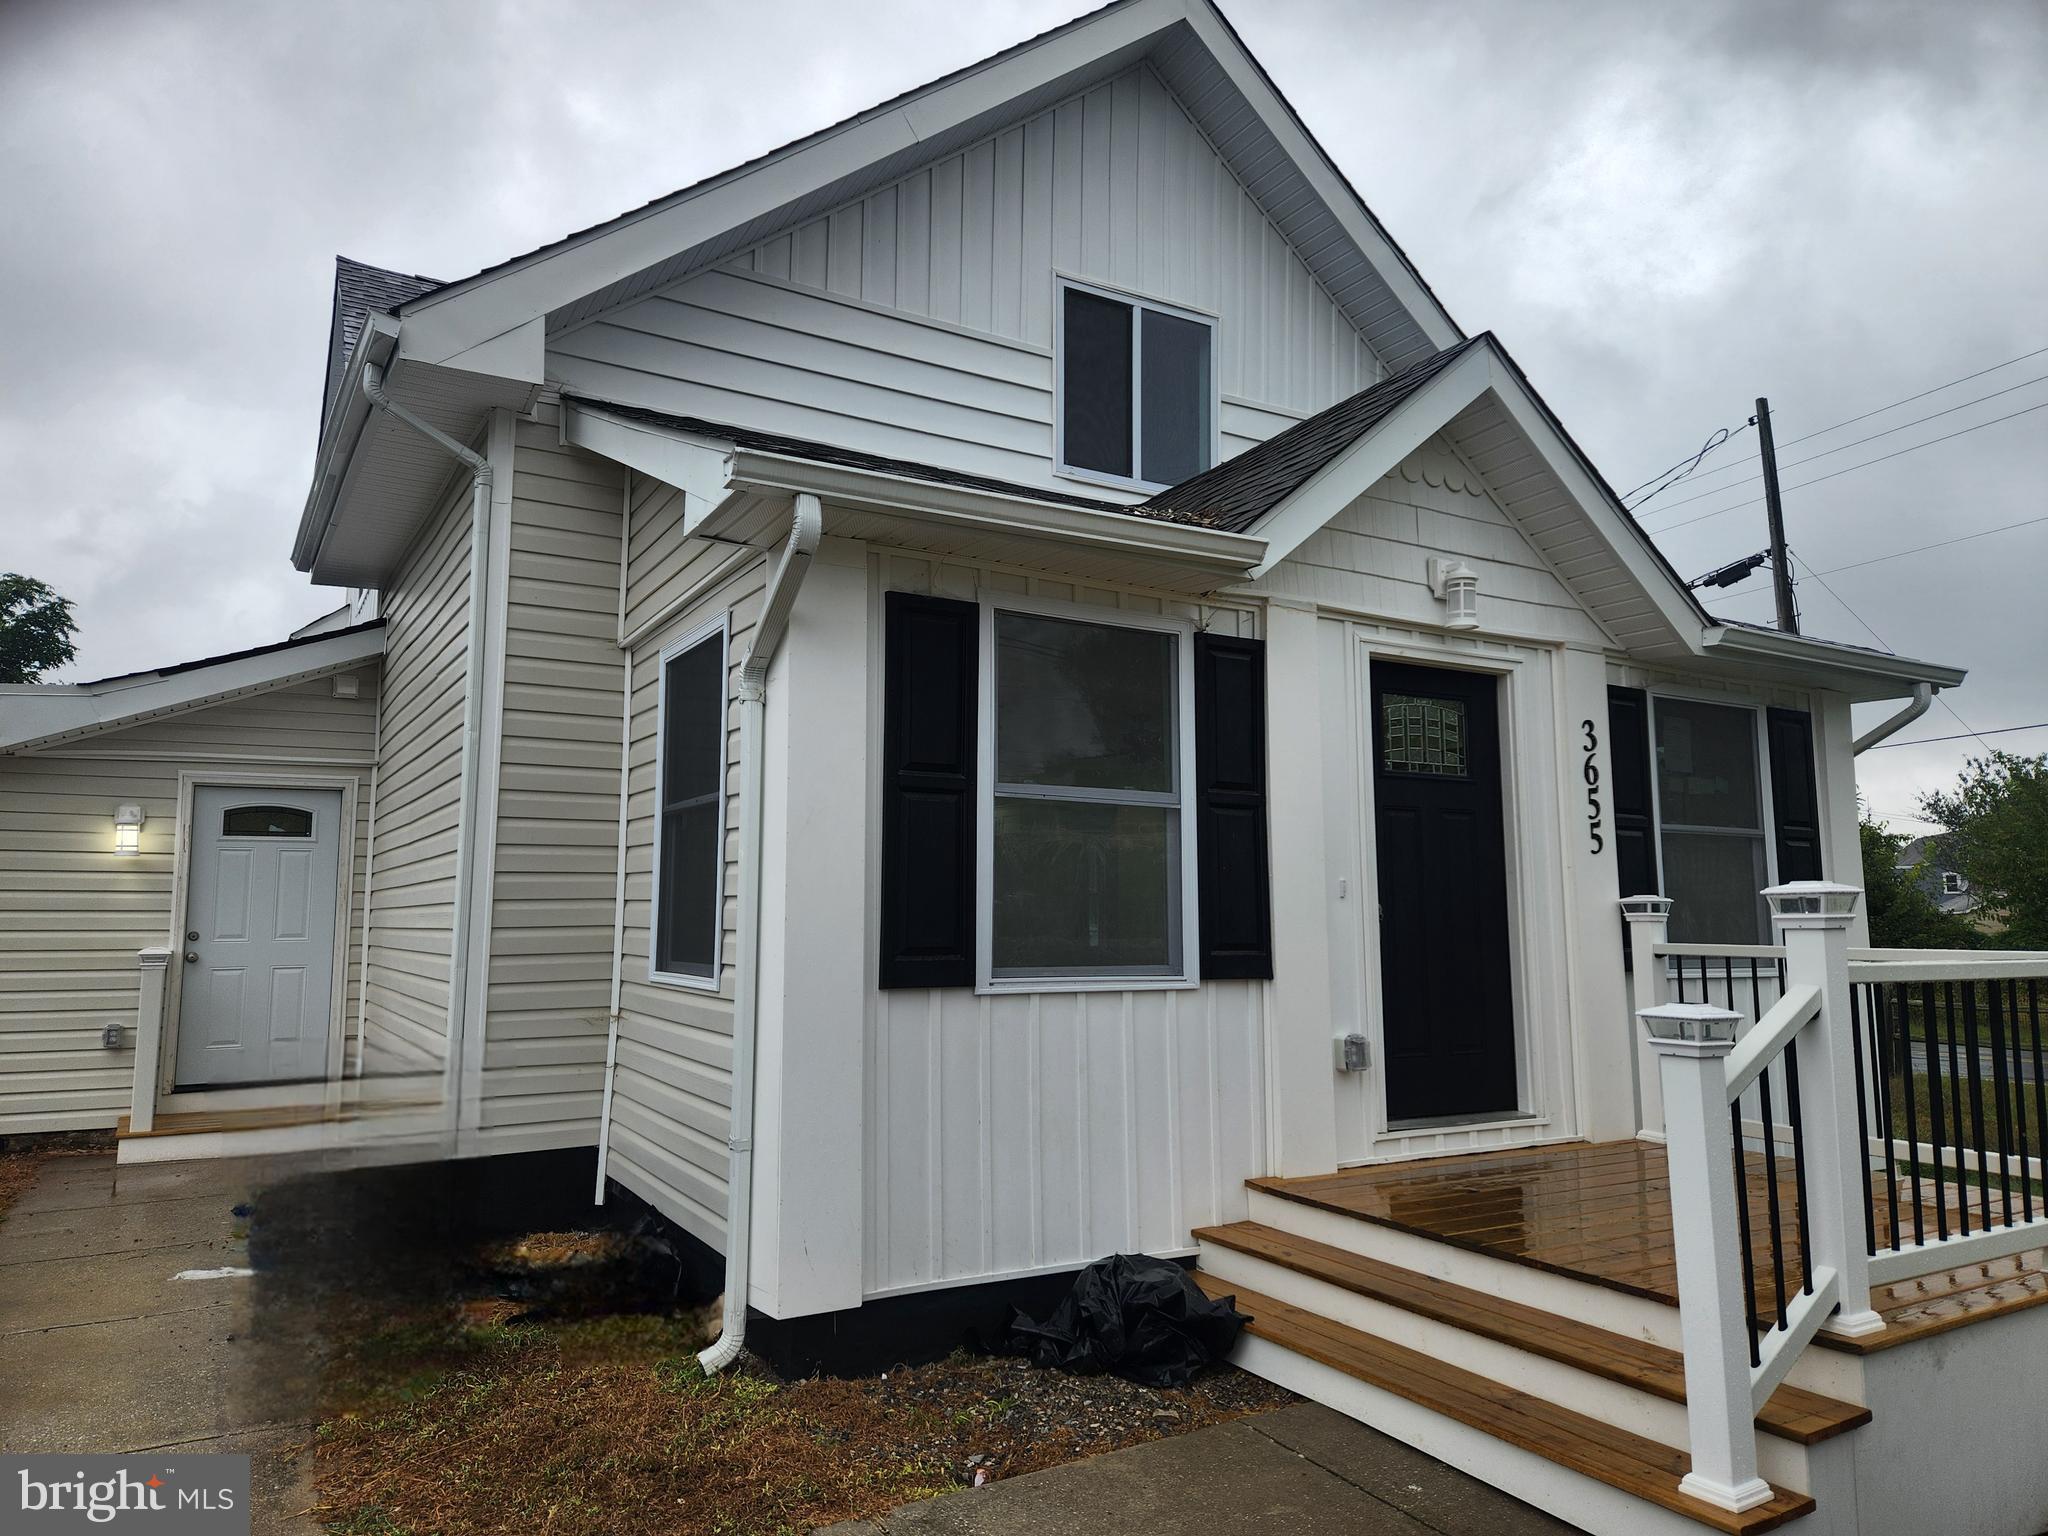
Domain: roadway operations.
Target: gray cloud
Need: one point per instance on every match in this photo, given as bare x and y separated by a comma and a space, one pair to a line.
1663, 210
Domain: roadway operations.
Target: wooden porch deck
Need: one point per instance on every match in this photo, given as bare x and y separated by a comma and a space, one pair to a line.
1602, 1213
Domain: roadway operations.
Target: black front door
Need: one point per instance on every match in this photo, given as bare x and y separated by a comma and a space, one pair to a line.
1449, 1011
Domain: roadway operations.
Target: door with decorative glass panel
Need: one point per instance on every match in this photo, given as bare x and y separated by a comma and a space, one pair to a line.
257, 989
1447, 1000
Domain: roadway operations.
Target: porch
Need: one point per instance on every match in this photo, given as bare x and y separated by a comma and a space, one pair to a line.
1834, 1211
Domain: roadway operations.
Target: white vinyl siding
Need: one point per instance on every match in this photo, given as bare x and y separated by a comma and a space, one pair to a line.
918, 322
1372, 558
73, 913
554, 868
419, 792
1034, 1129
672, 1086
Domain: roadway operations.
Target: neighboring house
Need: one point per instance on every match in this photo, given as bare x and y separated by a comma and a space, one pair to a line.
1925, 860
944, 699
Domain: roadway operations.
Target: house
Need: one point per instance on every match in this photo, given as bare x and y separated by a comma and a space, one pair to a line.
1925, 860
1003, 684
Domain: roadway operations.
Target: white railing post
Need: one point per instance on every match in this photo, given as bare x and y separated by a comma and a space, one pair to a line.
1812, 919
1649, 924
1690, 1042
149, 1037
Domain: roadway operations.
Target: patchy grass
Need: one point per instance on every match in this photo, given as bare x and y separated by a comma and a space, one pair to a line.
472, 1422
23, 1158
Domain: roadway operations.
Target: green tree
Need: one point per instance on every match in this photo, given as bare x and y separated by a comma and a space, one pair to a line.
36, 627
1997, 824
1902, 916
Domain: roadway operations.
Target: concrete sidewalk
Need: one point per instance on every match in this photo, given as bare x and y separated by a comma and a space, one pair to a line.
1303, 1470
102, 1348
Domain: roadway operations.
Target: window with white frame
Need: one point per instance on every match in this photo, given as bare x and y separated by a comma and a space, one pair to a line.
1137, 386
1951, 883
689, 838
1089, 869
1711, 820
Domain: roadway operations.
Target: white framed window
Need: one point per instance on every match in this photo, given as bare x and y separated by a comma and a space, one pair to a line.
1086, 875
1136, 387
687, 930
1711, 795
1951, 883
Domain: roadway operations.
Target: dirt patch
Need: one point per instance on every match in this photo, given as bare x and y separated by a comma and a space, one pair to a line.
22, 1158
488, 1415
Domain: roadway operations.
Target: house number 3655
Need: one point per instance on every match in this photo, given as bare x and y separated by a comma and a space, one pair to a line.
1592, 776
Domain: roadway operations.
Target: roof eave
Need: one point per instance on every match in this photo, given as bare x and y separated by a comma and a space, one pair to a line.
345, 423
1864, 675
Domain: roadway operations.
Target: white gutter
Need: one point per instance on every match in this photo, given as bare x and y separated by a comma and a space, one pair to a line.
472, 712
1923, 696
807, 526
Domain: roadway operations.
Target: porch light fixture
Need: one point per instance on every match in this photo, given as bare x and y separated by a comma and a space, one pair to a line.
128, 821
1812, 903
1690, 1023
1456, 585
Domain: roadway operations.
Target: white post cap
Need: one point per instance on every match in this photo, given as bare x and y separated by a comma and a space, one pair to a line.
1812, 903
1690, 1029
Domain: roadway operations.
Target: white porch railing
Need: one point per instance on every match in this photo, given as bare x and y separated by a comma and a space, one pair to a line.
152, 965
1892, 1087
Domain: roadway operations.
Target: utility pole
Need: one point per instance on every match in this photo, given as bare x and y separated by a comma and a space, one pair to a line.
1781, 569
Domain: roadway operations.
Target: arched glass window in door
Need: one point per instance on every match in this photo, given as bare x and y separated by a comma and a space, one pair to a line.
266, 821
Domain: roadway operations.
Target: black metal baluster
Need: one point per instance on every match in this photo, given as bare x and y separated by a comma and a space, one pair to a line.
1799, 1164
1763, 1084
1974, 1056
1884, 1111
1959, 1133
2040, 1074
2019, 1100
1748, 1245
1931, 1045
1862, 1122
1999, 1089
1903, 997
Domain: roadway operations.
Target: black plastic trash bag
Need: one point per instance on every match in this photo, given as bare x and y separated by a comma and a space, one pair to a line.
1141, 1318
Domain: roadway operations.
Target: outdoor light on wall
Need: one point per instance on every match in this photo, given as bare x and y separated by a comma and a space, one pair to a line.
1456, 585
128, 829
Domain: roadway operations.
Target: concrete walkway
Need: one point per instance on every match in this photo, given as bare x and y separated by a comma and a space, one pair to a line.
1303, 1470
102, 1348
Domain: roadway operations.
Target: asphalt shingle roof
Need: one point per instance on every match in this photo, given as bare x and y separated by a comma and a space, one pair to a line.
1238, 492
358, 289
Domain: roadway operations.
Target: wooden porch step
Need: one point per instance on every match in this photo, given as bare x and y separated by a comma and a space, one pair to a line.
1793, 1413
1621, 1460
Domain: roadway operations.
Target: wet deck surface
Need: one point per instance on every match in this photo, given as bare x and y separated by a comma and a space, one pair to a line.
1602, 1212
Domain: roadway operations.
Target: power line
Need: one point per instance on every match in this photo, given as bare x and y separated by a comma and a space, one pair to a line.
1857, 443
1927, 741
1714, 440
1862, 464
1917, 549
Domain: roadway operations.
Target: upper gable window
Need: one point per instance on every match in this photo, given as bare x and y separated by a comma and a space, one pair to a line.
1137, 401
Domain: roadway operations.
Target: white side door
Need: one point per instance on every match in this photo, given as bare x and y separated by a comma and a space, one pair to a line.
258, 948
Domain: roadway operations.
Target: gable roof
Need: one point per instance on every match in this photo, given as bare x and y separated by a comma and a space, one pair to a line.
34, 716
360, 288
1188, 42
1240, 491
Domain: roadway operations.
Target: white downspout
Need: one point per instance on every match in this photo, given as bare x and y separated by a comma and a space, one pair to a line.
1923, 696
472, 714
611, 1034
806, 526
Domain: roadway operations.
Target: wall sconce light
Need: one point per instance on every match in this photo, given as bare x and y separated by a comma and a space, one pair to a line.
1456, 585
128, 821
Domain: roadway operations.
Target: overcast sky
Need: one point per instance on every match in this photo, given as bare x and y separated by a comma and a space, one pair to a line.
1663, 210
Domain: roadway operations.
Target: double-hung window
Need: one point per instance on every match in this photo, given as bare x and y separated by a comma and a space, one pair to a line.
689, 839
1711, 821
1088, 869
1137, 399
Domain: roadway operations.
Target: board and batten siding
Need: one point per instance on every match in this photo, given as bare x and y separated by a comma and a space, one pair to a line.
1373, 557
419, 794
1030, 1131
555, 861
672, 1083
73, 912
918, 322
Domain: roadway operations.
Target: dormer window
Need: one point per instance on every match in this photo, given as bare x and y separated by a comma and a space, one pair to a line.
1951, 883
1137, 402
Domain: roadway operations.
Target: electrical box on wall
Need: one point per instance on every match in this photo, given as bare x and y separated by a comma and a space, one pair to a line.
1354, 1053
110, 1037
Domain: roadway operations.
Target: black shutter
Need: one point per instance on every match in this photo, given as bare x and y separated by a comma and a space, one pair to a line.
1628, 751
929, 684
1230, 789
1794, 799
